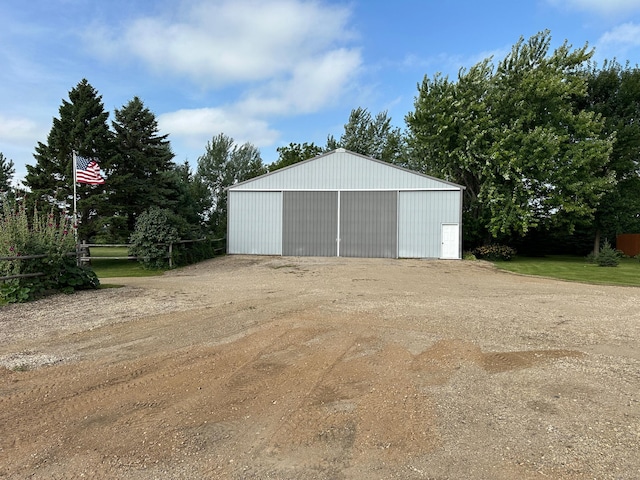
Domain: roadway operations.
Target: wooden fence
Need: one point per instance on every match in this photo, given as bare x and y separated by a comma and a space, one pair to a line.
28, 257
83, 254
84, 249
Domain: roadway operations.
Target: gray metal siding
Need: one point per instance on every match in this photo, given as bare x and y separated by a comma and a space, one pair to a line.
368, 224
420, 219
343, 170
255, 223
310, 223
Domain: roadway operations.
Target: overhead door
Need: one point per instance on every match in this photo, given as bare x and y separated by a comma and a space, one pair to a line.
369, 224
256, 227
310, 224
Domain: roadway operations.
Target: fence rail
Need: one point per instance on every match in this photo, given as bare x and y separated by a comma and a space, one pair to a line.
28, 257
85, 248
84, 255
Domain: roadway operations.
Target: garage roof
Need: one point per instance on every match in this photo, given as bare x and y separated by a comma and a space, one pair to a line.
344, 170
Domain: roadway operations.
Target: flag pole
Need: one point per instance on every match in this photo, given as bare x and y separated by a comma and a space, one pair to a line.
75, 212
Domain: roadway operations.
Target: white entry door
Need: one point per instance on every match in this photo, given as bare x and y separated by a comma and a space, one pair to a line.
450, 248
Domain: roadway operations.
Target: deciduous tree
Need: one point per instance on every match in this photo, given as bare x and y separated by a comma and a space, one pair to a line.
614, 93
374, 137
294, 153
224, 164
511, 134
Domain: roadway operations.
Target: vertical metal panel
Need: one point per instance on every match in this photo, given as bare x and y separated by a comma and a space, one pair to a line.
420, 218
368, 224
309, 226
255, 223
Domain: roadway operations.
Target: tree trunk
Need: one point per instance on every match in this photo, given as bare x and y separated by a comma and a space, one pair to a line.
596, 243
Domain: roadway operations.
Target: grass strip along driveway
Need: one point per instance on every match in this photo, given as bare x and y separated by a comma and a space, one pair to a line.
576, 269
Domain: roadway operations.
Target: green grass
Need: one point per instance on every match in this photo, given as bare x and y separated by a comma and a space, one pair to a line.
576, 269
106, 268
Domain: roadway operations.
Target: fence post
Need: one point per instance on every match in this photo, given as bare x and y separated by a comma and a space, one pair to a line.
83, 251
170, 255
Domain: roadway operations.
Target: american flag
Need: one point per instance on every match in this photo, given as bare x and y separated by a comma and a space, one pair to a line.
88, 171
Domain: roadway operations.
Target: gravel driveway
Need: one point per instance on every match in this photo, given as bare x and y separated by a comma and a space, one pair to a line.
324, 368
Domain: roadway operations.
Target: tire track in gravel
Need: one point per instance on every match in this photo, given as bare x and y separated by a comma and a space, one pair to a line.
282, 400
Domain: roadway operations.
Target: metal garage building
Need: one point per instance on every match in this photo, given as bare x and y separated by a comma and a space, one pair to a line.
348, 205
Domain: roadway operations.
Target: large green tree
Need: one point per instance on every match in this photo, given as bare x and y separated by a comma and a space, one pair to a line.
294, 153
512, 135
372, 136
141, 174
614, 93
222, 165
81, 127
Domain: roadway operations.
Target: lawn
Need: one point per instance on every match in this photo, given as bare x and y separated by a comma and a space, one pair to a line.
105, 267
576, 269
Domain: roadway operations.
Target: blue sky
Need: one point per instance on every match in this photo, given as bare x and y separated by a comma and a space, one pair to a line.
269, 72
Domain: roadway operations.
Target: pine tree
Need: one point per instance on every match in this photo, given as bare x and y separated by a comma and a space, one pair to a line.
142, 171
6, 174
81, 127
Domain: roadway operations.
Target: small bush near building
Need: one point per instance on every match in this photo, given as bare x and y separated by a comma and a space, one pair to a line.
608, 256
494, 252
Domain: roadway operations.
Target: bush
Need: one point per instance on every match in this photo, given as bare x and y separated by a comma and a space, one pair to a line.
153, 233
608, 256
494, 252
50, 235
468, 256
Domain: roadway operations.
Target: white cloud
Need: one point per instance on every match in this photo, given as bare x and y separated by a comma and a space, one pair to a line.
282, 58
219, 43
19, 131
618, 41
311, 85
606, 7
627, 34
195, 127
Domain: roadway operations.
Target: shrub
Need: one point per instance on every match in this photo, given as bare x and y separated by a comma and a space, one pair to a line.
608, 256
50, 235
468, 256
494, 252
153, 232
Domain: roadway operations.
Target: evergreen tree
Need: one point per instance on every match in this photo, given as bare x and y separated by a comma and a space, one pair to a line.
6, 174
142, 170
81, 127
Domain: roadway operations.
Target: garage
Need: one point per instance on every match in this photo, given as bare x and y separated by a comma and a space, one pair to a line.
348, 205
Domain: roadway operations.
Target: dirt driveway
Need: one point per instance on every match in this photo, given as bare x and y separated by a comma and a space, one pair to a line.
324, 368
